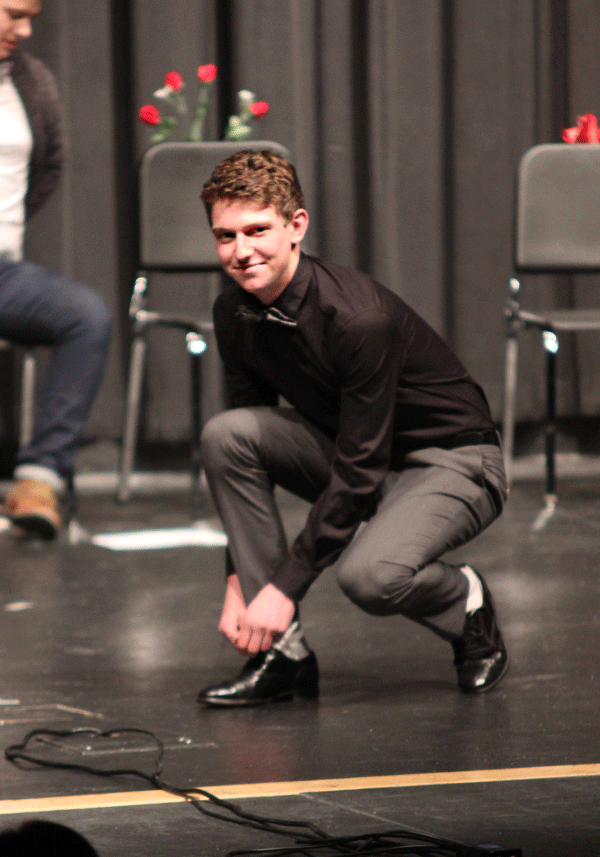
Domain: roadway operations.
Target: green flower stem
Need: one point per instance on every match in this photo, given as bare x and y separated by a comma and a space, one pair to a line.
179, 103
237, 129
196, 132
164, 130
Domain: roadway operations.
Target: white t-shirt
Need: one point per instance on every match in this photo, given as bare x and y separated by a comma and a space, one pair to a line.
16, 142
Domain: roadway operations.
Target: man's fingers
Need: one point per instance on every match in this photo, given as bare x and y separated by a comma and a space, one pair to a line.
255, 640
230, 630
251, 641
243, 638
267, 641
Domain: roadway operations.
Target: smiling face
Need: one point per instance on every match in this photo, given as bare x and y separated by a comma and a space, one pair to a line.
257, 247
15, 23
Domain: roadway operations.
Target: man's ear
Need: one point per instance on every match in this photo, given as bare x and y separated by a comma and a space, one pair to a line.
299, 223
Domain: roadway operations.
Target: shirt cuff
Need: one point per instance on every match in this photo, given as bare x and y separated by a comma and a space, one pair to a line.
293, 579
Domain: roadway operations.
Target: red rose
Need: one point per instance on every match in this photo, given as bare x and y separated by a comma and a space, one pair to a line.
585, 132
173, 80
259, 109
207, 73
149, 114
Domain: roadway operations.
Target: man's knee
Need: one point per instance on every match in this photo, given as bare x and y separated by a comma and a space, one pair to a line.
377, 587
228, 436
78, 313
103, 320
95, 316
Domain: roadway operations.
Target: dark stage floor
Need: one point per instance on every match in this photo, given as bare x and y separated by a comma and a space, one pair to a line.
94, 637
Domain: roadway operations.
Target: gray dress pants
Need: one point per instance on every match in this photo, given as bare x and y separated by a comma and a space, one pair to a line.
440, 500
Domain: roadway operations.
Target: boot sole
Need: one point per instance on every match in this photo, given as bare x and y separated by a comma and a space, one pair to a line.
36, 525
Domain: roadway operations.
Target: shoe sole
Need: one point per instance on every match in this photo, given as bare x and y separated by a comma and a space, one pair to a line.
245, 703
492, 684
36, 526
287, 696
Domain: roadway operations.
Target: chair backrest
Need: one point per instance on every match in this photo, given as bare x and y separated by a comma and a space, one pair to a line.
174, 232
558, 208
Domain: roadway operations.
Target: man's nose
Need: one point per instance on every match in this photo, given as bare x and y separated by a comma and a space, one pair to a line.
242, 247
23, 28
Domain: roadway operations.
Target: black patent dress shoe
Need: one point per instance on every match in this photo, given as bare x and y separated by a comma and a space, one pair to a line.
480, 656
267, 677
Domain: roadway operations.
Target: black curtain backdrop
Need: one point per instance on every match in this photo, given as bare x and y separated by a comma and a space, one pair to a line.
406, 119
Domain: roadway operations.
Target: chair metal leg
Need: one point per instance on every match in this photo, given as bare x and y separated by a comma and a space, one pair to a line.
196, 429
132, 416
510, 395
513, 325
196, 346
551, 347
550, 497
27, 411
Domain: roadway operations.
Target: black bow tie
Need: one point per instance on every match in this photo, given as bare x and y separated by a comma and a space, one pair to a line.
269, 313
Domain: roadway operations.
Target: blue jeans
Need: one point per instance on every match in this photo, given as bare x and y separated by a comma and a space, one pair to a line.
40, 307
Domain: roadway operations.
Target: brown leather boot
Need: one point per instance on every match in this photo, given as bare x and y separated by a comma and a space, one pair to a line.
34, 507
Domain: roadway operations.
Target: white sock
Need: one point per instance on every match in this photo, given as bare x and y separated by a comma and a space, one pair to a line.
292, 644
42, 474
475, 596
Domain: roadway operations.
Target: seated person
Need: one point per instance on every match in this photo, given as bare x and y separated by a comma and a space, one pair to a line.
38, 306
386, 429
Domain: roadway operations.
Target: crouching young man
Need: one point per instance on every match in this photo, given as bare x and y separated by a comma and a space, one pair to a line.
382, 425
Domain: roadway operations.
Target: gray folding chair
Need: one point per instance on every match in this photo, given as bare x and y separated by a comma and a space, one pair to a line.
556, 231
174, 237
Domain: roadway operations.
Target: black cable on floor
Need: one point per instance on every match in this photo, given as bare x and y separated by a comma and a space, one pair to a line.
309, 839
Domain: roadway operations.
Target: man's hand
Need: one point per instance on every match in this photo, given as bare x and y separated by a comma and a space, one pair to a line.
234, 608
265, 621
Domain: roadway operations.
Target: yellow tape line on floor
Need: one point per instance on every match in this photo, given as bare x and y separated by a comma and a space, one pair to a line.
256, 790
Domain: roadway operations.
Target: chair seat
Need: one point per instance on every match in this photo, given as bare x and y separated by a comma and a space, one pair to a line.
564, 319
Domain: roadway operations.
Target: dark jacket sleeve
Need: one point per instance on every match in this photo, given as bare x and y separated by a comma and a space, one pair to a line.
371, 356
37, 88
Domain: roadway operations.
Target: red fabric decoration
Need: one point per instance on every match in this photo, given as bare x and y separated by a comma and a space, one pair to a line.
585, 132
174, 80
207, 73
259, 109
149, 114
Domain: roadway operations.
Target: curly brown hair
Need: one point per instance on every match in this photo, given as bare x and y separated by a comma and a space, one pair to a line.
260, 177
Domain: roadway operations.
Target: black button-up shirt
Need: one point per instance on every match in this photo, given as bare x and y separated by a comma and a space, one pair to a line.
364, 367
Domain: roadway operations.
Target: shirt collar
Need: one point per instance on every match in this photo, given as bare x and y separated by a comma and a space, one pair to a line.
286, 307
290, 300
